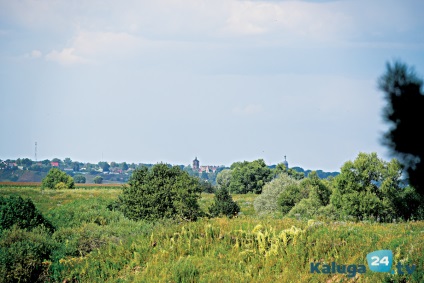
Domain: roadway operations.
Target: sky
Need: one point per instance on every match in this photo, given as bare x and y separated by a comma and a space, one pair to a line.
220, 80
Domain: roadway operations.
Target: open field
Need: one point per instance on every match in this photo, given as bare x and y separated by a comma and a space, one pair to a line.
94, 244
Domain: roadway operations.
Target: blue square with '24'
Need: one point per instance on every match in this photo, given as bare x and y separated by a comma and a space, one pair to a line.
380, 261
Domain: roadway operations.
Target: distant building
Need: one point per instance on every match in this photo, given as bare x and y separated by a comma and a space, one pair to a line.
196, 164
285, 162
205, 168
54, 164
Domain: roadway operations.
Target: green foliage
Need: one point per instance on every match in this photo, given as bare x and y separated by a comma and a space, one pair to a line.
23, 255
281, 168
104, 166
249, 177
317, 188
206, 186
161, 192
185, 271
371, 187
405, 102
224, 204
16, 211
56, 176
291, 195
267, 202
79, 179
98, 180
223, 179
93, 244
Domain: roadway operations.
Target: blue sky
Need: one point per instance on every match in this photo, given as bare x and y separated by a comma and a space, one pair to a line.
223, 80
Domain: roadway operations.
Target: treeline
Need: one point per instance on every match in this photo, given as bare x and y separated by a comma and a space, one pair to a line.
367, 188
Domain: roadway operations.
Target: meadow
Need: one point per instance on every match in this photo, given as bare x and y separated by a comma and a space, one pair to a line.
94, 244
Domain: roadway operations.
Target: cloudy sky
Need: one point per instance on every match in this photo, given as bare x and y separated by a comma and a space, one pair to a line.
223, 80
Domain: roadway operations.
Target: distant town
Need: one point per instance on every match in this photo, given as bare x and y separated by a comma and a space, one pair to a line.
27, 170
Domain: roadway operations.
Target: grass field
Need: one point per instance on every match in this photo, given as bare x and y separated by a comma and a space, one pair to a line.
98, 245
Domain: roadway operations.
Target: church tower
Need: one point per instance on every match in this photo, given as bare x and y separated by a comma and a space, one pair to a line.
196, 164
285, 162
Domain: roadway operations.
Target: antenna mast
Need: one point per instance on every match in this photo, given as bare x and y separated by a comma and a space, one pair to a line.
35, 154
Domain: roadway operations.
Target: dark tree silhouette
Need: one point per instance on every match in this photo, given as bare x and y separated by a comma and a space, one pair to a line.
405, 113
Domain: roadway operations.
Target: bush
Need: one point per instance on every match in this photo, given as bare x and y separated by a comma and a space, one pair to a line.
290, 196
23, 255
249, 177
160, 192
20, 212
98, 179
79, 179
267, 202
224, 204
371, 187
56, 176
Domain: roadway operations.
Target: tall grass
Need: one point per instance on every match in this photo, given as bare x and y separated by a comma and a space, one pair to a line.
98, 245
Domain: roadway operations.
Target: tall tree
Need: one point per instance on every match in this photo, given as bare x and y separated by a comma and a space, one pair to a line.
57, 179
369, 186
405, 112
249, 177
161, 192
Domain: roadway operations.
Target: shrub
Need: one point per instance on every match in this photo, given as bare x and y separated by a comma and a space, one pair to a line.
20, 212
56, 176
98, 179
23, 254
249, 177
224, 204
160, 192
79, 179
371, 187
290, 196
267, 202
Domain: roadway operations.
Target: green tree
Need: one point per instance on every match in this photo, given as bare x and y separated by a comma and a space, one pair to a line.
268, 201
54, 177
104, 165
161, 192
22, 254
206, 186
67, 161
249, 177
124, 166
289, 197
308, 199
98, 180
281, 168
16, 211
79, 179
369, 186
317, 188
223, 179
223, 204
405, 104
76, 166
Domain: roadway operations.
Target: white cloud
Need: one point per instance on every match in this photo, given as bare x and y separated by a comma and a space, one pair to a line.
105, 42
65, 57
278, 22
93, 47
36, 54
